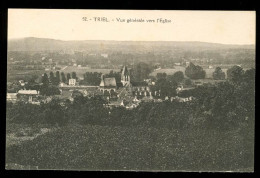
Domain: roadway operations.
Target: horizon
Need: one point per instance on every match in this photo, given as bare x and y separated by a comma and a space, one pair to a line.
131, 41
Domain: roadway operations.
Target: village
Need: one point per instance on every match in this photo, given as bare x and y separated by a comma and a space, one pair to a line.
126, 94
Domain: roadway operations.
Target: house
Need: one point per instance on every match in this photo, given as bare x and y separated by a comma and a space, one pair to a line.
22, 83
140, 86
11, 97
107, 84
62, 84
182, 99
27, 95
180, 89
135, 99
72, 82
140, 89
198, 83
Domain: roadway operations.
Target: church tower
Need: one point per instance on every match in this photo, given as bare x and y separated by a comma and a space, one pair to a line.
125, 76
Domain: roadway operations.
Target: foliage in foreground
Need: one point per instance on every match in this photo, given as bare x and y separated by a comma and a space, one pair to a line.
92, 147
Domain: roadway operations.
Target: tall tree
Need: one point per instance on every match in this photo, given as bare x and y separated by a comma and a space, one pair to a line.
50, 90
164, 86
160, 76
57, 77
116, 75
32, 80
63, 78
235, 74
178, 76
141, 71
52, 78
218, 74
68, 76
74, 75
45, 79
92, 78
195, 72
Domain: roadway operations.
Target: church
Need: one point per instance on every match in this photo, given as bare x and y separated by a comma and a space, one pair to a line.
108, 84
139, 89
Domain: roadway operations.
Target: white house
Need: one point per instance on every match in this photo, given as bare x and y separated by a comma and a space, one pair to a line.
72, 82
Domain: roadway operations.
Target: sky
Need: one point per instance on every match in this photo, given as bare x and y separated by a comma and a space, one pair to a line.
226, 27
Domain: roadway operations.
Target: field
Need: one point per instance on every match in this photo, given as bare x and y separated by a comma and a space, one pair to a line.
209, 72
81, 71
94, 147
14, 75
168, 71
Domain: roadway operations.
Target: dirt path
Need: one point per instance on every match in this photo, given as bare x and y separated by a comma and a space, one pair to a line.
13, 139
64, 68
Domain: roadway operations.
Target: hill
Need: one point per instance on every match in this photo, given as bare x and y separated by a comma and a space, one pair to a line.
44, 44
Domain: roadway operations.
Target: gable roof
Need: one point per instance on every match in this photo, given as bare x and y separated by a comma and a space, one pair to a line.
108, 82
11, 96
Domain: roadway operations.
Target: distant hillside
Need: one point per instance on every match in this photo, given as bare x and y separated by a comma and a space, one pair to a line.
44, 44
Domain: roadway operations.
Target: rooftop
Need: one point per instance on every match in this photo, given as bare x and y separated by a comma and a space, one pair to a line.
28, 92
108, 82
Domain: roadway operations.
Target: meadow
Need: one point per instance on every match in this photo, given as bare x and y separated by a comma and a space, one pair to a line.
15, 75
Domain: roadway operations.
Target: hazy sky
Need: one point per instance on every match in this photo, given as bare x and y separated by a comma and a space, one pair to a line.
228, 27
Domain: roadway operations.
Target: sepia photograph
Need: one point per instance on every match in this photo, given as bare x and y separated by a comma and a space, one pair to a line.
130, 90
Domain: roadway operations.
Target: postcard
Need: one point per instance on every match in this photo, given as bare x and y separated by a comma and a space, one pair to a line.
130, 90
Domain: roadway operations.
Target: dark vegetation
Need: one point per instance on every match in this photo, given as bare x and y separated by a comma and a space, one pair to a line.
218, 74
95, 147
213, 132
195, 72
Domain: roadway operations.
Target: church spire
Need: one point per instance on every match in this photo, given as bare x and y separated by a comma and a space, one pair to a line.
125, 77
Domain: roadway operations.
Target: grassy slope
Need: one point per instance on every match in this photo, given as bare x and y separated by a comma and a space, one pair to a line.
139, 148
